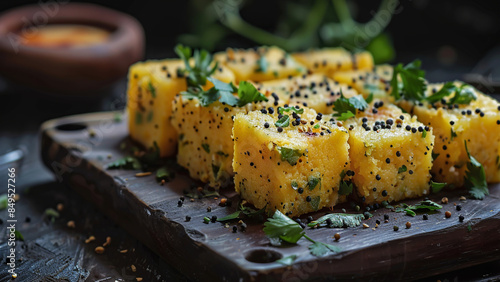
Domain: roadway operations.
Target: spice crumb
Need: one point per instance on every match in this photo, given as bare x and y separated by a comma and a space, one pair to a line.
462, 198
90, 239
366, 225
138, 278
447, 214
134, 269
408, 225
141, 174
99, 250
444, 200
336, 236
108, 242
396, 228
123, 251
71, 224
60, 207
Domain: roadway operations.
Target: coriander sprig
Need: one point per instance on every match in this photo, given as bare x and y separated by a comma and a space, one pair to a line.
412, 84
346, 108
475, 177
281, 228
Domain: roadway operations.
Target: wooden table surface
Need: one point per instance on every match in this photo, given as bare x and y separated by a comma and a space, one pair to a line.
51, 250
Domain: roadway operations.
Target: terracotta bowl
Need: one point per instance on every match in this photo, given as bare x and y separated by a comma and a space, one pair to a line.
68, 71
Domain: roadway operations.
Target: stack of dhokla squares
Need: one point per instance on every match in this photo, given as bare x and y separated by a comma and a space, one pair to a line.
293, 131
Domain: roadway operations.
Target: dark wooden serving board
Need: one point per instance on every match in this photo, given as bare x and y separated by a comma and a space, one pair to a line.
78, 148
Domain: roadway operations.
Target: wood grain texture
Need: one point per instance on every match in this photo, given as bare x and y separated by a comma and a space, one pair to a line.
211, 251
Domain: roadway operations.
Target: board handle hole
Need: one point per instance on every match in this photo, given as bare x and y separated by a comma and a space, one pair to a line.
263, 256
71, 127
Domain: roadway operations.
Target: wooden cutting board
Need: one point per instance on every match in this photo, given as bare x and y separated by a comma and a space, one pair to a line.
78, 149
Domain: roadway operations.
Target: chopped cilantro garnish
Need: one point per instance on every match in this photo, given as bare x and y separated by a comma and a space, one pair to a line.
280, 228
125, 163
423, 206
247, 93
152, 89
345, 187
198, 73
313, 182
281, 110
338, 220
402, 169
412, 84
315, 202
284, 121
206, 147
346, 108
243, 211
163, 173
424, 133
289, 155
464, 94
475, 177
436, 186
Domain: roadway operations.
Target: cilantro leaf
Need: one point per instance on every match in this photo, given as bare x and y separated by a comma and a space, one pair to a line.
445, 91
125, 163
436, 186
262, 64
315, 202
313, 181
402, 169
338, 220
281, 110
284, 121
206, 97
287, 260
463, 95
320, 249
163, 173
243, 211
198, 73
289, 155
369, 99
346, 108
423, 206
412, 84
358, 102
424, 133
248, 94
345, 187
475, 177
206, 147
282, 227
152, 89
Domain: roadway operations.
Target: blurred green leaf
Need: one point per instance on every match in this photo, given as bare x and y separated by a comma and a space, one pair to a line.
382, 49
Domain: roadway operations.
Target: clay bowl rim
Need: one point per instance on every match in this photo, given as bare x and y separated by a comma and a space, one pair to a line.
124, 30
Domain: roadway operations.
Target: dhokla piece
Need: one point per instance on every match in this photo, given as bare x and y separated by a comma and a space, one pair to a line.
294, 168
315, 91
391, 154
152, 86
376, 81
330, 60
261, 64
205, 146
478, 123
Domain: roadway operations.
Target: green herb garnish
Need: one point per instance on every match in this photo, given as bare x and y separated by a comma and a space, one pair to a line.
423, 206
346, 108
402, 169
4, 201
475, 177
338, 220
281, 110
313, 182
436, 186
289, 155
206, 147
284, 121
243, 211
247, 93
152, 89
163, 173
125, 163
198, 73
281, 228
412, 84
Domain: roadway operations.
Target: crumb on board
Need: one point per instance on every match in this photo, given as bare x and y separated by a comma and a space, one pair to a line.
90, 239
